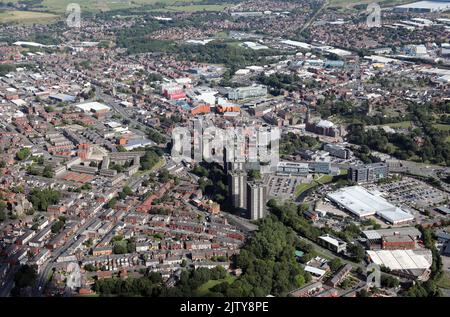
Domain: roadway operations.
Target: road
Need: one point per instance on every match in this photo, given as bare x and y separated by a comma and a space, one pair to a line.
9, 284
51, 263
313, 18
110, 101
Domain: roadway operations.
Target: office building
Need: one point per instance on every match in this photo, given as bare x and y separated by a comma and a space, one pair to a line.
256, 200
323, 127
237, 181
291, 168
333, 243
321, 165
247, 92
368, 173
337, 151
416, 50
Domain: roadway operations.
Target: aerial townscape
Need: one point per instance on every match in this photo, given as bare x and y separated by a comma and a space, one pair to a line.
115, 180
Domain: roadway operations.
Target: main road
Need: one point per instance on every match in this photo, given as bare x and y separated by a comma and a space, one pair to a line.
110, 101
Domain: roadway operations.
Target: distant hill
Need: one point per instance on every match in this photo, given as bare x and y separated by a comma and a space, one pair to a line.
59, 6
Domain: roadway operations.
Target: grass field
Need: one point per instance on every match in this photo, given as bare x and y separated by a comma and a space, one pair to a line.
59, 6
204, 289
442, 127
50, 10
27, 17
352, 3
195, 7
401, 125
303, 187
444, 281
323, 179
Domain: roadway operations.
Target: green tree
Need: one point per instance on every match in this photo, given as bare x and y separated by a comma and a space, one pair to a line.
42, 198
335, 264
23, 153
127, 191
86, 186
57, 226
299, 280
358, 253
26, 276
254, 175
90, 267
48, 172
120, 247
389, 281
112, 203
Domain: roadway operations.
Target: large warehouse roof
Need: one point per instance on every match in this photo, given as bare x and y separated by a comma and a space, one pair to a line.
402, 259
404, 231
362, 203
430, 5
92, 106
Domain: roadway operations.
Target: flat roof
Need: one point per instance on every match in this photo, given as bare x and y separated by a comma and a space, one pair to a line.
444, 210
63, 97
92, 106
363, 203
297, 44
398, 239
405, 231
332, 240
315, 270
402, 259
293, 164
372, 234
426, 5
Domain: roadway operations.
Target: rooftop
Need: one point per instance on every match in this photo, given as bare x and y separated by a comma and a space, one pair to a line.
362, 203
92, 106
402, 259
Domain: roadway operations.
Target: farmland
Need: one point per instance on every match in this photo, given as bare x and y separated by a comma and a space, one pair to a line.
59, 6
26, 17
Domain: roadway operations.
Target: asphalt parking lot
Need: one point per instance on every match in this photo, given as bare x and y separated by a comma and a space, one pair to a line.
282, 187
411, 192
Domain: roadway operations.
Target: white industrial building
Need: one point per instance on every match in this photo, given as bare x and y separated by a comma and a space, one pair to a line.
424, 6
254, 46
302, 45
93, 107
363, 203
402, 259
333, 243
